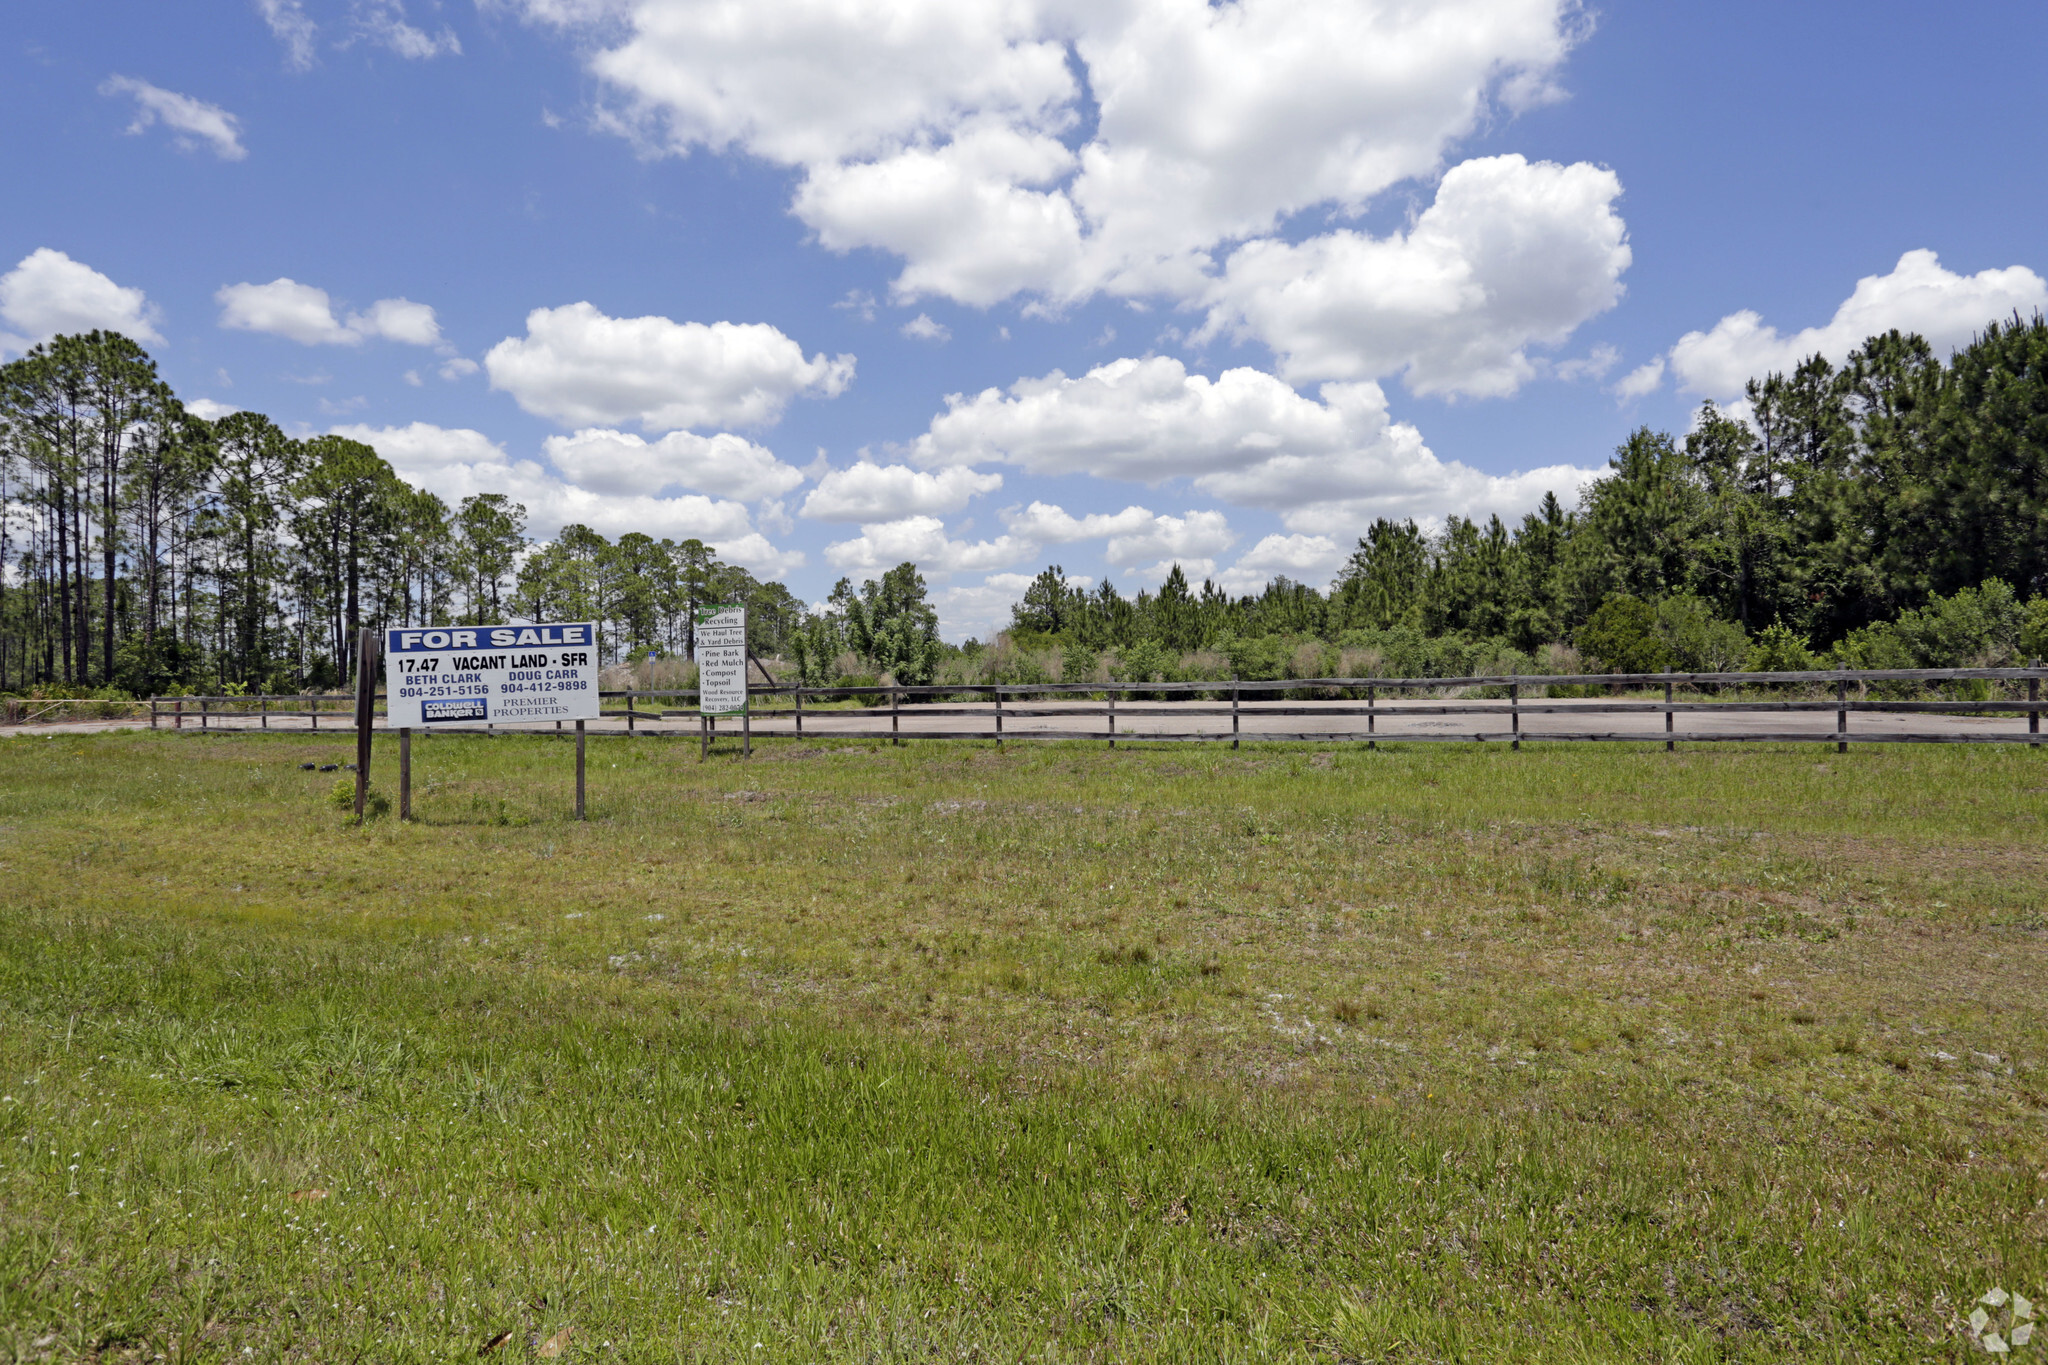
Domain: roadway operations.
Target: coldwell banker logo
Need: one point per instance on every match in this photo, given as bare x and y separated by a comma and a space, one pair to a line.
456, 708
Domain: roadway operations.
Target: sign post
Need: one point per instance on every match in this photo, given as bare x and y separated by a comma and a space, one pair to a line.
366, 709
442, 677
721, 664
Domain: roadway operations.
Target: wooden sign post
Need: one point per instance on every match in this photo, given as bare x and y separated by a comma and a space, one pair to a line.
366, 711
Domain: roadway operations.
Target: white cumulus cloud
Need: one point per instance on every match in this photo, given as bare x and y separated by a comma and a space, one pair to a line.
1133, 535
981, 610
1244, 437
884, 545
1313, 560
399, 320
869, 492
420, 447
922, 328
620, 462
47, 293
304, 313
1511, 254
940, 130
579, 367
1918, 295
457, 462
191, 121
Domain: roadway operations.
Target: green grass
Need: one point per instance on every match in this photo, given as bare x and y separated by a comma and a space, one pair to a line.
864, 1053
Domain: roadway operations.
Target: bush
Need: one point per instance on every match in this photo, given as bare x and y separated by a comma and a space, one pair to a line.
857, 680
1142, 662
1696, 640
1873, 647
1973, 628
1623, 637
2034, 631
1078, 663
1254, 658
1779, 650
1009, 664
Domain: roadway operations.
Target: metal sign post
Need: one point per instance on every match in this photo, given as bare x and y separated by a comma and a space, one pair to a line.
721, 665
453, 677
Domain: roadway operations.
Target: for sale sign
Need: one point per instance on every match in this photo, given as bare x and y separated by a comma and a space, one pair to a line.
491, 675
721, 660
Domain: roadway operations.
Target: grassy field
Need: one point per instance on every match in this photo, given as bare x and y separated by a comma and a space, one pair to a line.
940, 1053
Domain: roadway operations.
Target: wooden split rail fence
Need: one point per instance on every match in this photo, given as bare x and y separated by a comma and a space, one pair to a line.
2008, 712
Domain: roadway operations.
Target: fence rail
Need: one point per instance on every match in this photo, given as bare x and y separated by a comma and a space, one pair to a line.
1969, 706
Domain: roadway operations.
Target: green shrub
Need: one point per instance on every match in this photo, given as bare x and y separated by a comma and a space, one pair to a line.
1078, 663
1972, 628
1261, 658
1622, 637
1696, 640
2034, 631
1146, 661
857, 680
1779, 650
1877, 646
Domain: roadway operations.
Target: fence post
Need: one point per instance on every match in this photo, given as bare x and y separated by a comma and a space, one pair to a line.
1233, 713
1842, 716
2034, 695
1112, 720
579, 770
1669, 745
1372, 693
1515, 714
152, 713
895, 714
204, 703
178, 714
405, 772
799, 710
999, 716
315, 712
747, 733
629, 713
703, 735
263, 706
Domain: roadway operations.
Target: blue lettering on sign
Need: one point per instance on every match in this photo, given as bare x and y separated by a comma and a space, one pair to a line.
430, 639
458, 708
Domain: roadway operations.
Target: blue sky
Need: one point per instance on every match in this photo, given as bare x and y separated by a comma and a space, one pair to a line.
991, 285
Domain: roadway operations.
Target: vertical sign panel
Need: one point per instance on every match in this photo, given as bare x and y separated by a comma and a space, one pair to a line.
722, 660
491, 675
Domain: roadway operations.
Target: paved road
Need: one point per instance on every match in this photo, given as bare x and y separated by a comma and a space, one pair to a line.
1394, 720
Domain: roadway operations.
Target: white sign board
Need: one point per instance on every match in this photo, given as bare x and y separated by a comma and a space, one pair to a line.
721, 660
490, 675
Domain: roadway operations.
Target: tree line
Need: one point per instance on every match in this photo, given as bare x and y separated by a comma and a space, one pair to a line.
144, 548
1889, 512
1854, 506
